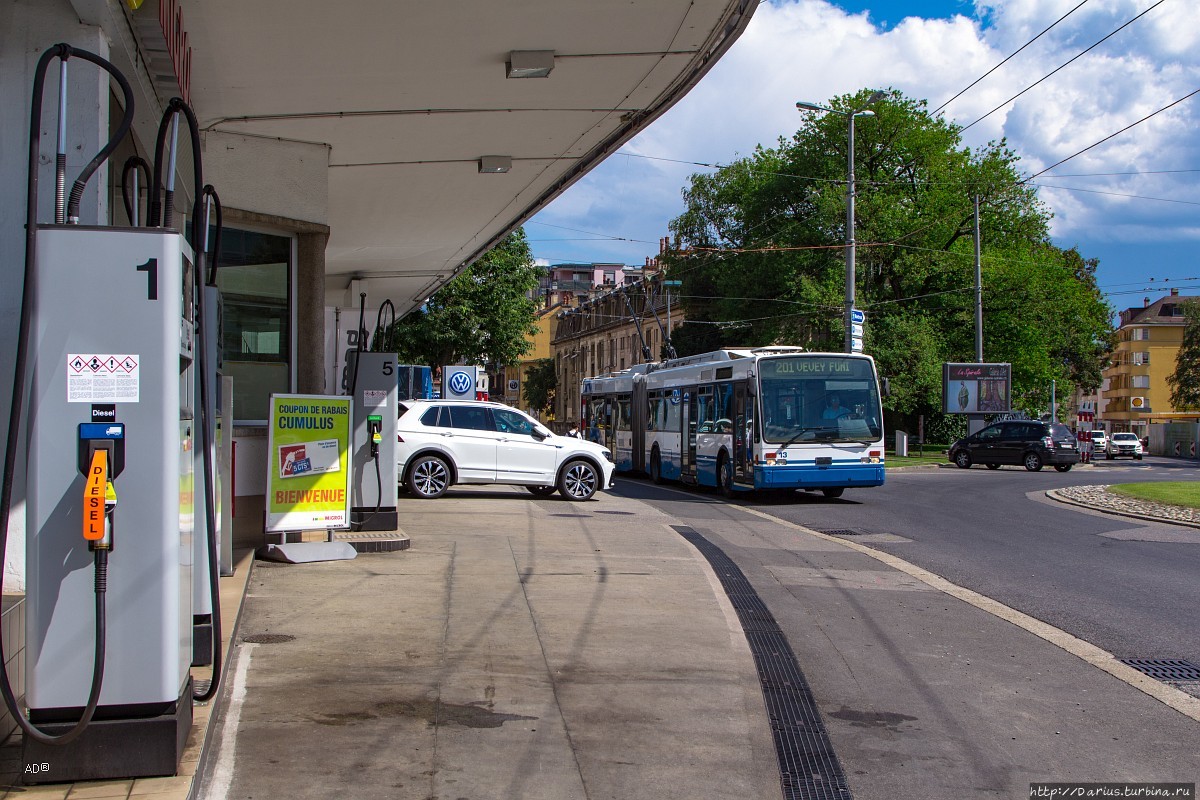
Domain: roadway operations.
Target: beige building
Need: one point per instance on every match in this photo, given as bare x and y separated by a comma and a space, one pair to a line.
601, 335
1136, 393
511, 390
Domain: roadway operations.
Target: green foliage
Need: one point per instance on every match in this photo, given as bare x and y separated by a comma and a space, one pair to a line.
482, 316
762, 240
690, 338
541, 380
1185, 380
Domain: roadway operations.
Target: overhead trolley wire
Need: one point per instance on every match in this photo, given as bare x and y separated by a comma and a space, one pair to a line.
1008, 58
1061, 66
1112, 135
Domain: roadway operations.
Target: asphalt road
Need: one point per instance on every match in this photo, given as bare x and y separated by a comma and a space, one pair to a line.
1124, 585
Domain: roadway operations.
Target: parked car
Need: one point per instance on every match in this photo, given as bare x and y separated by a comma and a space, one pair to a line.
1028, 443
1099, 441
1124, 444
445, 442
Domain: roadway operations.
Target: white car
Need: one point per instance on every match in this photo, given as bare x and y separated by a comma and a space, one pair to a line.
445, 442
1123, 444
1099, 441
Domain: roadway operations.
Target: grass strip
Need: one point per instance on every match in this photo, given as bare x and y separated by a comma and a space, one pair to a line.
1175, 493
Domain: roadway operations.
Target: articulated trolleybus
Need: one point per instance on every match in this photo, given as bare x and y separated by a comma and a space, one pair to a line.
767, 418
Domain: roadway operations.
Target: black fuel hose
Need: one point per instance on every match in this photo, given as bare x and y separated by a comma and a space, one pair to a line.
12, 441
199, 237
385, 334
215, 258
134, 164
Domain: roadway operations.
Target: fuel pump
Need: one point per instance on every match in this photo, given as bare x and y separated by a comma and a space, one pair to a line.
373, 387
108, 338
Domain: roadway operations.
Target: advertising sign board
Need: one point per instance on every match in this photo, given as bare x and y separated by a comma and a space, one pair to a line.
976, 388
308, 468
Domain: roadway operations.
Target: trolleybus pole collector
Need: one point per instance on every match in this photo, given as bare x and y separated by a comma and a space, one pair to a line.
744, 419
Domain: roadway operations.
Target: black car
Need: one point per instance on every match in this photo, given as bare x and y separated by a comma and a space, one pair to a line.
1029, 443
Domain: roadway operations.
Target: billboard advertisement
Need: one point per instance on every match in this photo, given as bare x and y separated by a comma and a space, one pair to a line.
976, 388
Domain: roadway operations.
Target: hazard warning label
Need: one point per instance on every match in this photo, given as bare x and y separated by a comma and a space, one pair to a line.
103, 378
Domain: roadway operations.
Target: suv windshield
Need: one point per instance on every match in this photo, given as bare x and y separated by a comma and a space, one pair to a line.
1124, 437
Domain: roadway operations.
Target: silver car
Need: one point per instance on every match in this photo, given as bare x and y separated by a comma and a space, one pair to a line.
445, 442
1123, 444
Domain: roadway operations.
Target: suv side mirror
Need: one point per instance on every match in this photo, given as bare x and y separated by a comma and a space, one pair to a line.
540, 434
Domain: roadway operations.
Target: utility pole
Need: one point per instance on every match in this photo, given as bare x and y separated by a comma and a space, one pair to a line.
978, 291
863, 111
975, 422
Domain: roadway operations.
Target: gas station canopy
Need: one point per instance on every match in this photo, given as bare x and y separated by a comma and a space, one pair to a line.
446, 124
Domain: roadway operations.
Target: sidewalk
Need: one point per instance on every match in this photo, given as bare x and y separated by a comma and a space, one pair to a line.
520, 648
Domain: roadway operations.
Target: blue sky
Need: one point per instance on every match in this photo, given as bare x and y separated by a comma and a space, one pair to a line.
1144, 227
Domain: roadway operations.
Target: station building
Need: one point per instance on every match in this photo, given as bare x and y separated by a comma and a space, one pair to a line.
369, 148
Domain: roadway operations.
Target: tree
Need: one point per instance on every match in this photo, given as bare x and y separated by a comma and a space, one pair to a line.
541, 379
484, 315
775, 221
1185, 380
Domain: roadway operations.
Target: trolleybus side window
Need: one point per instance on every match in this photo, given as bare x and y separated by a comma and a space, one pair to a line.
704, 409
673, 398
723, 409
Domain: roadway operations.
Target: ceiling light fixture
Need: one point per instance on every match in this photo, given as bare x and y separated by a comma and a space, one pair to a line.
495, 164
530, 63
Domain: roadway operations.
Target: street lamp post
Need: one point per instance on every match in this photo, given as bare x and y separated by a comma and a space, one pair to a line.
850, 245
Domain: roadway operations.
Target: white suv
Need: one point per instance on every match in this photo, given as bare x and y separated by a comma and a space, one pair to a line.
1099, 442
444, 442
1124, 444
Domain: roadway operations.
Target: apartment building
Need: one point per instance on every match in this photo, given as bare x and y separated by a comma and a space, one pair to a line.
602, 335
1136, 393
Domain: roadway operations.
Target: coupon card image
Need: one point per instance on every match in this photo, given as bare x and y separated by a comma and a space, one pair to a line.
308, 458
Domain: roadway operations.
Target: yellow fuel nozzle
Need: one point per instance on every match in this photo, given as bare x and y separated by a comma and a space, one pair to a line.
97, 529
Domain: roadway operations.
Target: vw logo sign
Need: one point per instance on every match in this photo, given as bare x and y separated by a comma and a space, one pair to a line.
460, 383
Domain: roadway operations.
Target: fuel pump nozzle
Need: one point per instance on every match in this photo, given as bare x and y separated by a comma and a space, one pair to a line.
97, 511
101, 459
375, 431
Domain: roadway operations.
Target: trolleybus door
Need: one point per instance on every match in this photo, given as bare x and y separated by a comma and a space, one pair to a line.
742, 471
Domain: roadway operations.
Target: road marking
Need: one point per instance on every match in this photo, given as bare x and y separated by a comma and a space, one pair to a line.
227, 741
1168, 695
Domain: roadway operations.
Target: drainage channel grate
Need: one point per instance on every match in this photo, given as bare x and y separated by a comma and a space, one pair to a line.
808, 767
841, 532
1165, 669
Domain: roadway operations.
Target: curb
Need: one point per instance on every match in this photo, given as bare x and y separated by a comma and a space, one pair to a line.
1053, 494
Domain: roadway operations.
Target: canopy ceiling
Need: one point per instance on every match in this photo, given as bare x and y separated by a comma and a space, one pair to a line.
409, 96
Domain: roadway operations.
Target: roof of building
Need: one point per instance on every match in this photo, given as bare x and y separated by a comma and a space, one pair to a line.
1164, 311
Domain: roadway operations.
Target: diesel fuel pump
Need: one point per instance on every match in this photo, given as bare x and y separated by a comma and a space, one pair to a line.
108, 343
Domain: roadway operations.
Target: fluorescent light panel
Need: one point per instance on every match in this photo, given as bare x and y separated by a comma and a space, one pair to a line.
530, 63
495, 164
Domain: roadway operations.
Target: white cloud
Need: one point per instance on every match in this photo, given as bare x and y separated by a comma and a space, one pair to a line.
812, 50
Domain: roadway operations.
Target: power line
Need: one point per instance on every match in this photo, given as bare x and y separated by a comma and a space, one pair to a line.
1044, 77
1006, 60
1114, 194
1111, 135
589, 233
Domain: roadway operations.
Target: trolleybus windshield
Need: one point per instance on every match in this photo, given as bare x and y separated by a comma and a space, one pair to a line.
824, 398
